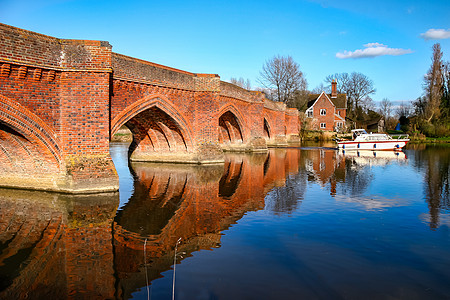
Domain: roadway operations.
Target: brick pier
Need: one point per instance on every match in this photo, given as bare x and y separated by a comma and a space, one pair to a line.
62, 100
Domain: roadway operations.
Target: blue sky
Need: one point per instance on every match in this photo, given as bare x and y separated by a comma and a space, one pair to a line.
235, 38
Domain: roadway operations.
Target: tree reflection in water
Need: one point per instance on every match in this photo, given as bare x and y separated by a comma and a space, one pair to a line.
194, 203
61, 246
435, 162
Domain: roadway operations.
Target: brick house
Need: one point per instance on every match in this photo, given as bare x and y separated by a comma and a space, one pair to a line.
327, 111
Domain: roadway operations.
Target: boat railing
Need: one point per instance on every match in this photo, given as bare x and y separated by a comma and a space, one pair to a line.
400, 136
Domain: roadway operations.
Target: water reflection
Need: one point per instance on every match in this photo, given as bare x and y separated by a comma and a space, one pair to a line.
358, 173
194, 203
56, 246
62, 246
434, 161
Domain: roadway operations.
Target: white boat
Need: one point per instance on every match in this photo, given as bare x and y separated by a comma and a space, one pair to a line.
373, 141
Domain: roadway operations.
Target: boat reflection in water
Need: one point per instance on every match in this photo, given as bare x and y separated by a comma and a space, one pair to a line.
378, 158
83, 247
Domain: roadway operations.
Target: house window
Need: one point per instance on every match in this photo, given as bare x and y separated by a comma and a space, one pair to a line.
309, 113
339, 124
323, 111
323, 125
339, 112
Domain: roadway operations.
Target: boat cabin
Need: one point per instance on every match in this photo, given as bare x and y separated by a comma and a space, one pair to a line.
358, 132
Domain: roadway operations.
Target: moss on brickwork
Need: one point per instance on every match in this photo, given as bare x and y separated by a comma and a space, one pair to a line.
209, 152
89, 173
79, 92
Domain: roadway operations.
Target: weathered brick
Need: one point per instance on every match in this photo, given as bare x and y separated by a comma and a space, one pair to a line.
63, 99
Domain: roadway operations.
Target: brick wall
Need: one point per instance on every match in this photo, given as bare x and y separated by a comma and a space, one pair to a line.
63, 99
54, 95
324, 103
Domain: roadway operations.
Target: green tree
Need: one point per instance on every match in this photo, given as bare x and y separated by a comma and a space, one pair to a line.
433, 85
433, 107
445, 102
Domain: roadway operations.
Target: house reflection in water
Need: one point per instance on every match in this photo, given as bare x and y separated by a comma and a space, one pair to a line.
325, 166
61, 246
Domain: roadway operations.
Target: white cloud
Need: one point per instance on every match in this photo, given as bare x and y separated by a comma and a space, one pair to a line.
373, 202
436, 34
372, 50
374, 45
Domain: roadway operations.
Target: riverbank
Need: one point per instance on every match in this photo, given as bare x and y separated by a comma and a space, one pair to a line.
429, 140
317, 135
123, 135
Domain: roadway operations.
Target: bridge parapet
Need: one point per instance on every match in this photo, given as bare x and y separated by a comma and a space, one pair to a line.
61, 99
269, 104
19, 46
141, 71
233, 91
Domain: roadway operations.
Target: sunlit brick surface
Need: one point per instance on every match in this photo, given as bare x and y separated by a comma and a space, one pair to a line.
62, 100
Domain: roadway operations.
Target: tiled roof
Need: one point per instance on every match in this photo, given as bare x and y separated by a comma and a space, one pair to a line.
340, 101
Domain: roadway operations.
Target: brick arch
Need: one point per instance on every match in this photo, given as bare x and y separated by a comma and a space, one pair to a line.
163, 104
154, 130
230, 180
30, 127
238, 128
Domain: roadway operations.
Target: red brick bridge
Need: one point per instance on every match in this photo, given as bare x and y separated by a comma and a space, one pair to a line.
62, 100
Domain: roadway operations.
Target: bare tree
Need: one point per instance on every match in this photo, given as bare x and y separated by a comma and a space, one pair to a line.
404, 110
268, 93
361, 87
343, 82
318, 89
283, 76
385, 108
367, 104
433, 84
357, 86
245, 84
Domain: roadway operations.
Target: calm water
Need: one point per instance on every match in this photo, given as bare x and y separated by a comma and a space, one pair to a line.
309, 223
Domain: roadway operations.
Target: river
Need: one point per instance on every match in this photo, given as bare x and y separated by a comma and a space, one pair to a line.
298, 223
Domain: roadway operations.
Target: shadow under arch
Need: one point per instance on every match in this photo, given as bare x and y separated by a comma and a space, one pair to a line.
169, 124
229, 182
231, 125
26, 130
266, 129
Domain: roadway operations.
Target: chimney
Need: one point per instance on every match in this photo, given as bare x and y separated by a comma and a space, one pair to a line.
333, 89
